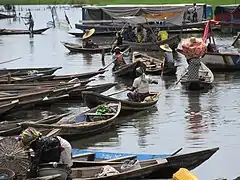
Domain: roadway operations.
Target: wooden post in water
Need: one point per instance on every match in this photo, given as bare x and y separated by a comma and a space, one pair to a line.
103, 56
9, 78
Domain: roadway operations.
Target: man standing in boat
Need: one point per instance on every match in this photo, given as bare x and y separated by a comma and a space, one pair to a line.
140, 87
30, 22
195, 16
46, 150
87, 41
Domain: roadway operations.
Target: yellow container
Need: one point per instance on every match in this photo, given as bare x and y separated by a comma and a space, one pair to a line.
184, 174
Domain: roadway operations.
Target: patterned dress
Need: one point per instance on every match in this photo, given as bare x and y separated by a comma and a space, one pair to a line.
193, 69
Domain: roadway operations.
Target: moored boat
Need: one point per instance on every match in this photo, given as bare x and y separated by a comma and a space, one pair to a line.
93, 99
77, 48
91, 122
171, 163
153, 65
154, 46
128, 69
205, 81
222, 61
27, 71
11, 129
6, 16
100, 33
18, 32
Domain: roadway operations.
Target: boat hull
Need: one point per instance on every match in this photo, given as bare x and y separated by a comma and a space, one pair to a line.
154, 46
93, 99
18, 32
222, 61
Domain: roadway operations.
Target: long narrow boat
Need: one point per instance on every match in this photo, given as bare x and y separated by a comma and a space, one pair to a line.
18, 32
98, 33
154, 65
89, 123
77, 48
155, 168
154, 46
205, 81
6, 16
128, 69
173, 163
6, 106
27, 71
222, 61
12, 129
93, 99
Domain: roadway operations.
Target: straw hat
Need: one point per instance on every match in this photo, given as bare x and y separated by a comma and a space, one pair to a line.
116, 48
166, 47
88, 33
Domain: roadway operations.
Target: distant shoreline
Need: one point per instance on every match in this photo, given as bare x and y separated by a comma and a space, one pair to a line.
104, 2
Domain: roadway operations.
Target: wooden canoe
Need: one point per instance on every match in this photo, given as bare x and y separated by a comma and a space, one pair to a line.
12, 129
154, 46
205, 81
100, 33
77, 48
93, 99
50, 78
88, 123
27, 71
172, 163
99, 88
128, 70
18, 32
6, 16
222, 61
153, 65
7, 106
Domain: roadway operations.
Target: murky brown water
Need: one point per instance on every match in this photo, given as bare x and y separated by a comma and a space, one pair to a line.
167, 127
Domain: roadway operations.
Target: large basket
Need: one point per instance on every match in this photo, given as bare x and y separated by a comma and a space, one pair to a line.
6, 174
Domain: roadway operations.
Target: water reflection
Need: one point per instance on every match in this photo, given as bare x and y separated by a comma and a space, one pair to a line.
31, 44
196, 127
143, 124
87, 58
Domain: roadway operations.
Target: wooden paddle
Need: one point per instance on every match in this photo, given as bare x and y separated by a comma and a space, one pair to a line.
10, 60
236, 39
173, 154
118, 92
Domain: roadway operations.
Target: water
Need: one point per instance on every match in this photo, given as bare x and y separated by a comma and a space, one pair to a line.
189, 120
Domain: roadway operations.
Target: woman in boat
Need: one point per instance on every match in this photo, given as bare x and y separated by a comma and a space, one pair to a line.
46, 150
118, 57
141, 33
195, 12
193, 49
168, 55
87, 41
140, 87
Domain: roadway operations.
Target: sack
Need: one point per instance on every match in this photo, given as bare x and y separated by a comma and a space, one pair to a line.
131, 165
194, 50
107, 171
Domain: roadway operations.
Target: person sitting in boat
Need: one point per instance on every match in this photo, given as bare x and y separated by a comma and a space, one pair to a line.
118, 57
46, 150
168, 55
141, 33
87, 41
162, 35
129, 34
140, 87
